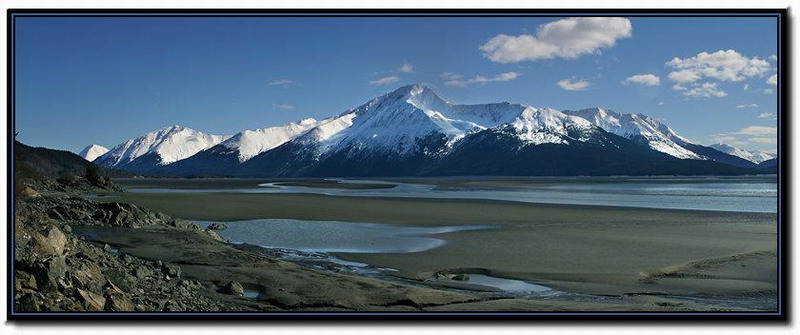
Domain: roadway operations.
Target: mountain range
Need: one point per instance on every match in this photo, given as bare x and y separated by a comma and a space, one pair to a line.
412, 131
750, 155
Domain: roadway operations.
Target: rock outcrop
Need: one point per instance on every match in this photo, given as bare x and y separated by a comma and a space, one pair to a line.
55, 270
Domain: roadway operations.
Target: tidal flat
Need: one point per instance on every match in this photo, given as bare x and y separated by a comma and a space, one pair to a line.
721, 260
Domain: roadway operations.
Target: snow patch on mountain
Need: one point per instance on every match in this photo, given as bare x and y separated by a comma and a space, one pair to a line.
91, 152
250, 143
170, 143
658, 136
547, 125
751, 155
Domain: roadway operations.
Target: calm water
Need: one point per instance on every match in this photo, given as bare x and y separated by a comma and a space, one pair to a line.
336, 236
741, 194
508, 285
311, 241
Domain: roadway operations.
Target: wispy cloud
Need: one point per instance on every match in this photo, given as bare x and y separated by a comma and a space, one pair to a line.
758, 131
704, 90
566, 38
648, 79
385, 81
286, 107
573, 84
406, 68
281, 82
727, 139
454, 79
751, 134
764, 140
747, 106
768, 116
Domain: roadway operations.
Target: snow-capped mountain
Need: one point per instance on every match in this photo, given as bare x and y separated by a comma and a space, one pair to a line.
750, 155
228, 155
397, 121
160, 147
647, 131
253, 142
414, 131
393, 122
639, 128
91, 152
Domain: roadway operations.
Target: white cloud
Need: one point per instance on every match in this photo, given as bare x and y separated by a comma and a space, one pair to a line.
773, 80
705, 90
385, 81
281, 82
566, 38
773, 57
768, 115
406, 68
768, 91
684, 76
758, 131
751, 134
724, 65
454, 79
662, 103
747, 106
573, 85
764, 140
286, 107
679, 87
644, 79
746, 87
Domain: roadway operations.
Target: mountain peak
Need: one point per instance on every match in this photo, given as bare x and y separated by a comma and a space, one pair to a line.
750, 155
93, 151
722, 145
638, 127
170, 144
171, 129
414, 92
250, 143
413, 89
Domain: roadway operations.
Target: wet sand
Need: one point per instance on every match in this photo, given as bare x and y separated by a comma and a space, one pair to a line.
623, 252
233, 183
284, 286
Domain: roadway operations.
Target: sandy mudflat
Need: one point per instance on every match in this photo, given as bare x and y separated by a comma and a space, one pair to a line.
638, 254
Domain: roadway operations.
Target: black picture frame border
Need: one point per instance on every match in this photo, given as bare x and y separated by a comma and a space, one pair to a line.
784, 52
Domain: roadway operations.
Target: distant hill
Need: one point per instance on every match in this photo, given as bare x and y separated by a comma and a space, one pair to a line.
34, 162
770, 165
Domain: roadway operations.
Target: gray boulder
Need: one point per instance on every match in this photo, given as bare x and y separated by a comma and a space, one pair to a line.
171, 270
217, 226
234, 288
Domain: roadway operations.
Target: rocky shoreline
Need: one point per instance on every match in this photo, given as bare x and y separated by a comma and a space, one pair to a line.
163, 264
56, 270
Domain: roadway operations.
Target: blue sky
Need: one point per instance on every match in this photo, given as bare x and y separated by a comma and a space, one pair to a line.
104, 80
